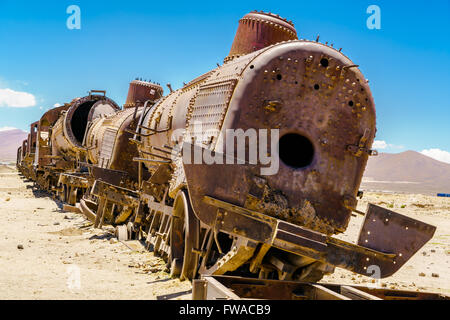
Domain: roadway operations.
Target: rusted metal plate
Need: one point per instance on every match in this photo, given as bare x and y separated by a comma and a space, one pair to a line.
309, 91
114, 193
113, 177
70, 208
391, 232
387, 294
211, 289
295, 239
43, 149
106, 150
32, 138
209, 109
238, 288
77, 181
202, 180
235, 187
356, 294
102, 108
88, 208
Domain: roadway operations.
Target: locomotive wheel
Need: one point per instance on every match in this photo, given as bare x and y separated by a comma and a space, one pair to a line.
184, 237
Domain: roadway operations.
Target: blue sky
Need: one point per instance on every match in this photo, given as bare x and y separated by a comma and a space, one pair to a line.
407, 61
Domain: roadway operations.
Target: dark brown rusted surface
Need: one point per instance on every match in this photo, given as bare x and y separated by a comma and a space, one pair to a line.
78, 181
237, 288
114, 177
358, 258
28, 150
19, 157
141, 91
259, 30
24, 147
388, 231
43, 139
313, 100
32, 137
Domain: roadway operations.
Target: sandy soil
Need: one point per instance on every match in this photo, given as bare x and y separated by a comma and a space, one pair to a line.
58, 246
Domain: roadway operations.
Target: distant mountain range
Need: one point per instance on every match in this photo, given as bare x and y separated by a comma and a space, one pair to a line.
409, 172
10, 140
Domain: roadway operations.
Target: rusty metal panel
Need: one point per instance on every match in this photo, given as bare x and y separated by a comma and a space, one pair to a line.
209, 109
311, 91
388, 231
43, 149
238, 288
107, 148
113, 177
74, 180
289, 237
102, 108
118, 152
258, 30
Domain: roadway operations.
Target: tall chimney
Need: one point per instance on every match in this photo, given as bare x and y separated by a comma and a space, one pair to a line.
141, 91
258, 30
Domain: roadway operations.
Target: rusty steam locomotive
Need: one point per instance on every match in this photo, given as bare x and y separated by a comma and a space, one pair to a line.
126, 167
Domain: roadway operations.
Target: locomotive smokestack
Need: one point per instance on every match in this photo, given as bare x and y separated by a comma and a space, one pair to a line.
141, 91
258, 30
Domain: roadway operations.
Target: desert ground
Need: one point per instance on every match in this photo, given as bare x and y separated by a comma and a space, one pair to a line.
48, 253
58, 246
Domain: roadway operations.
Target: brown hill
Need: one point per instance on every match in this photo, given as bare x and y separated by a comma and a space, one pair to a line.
10, 140
408, 171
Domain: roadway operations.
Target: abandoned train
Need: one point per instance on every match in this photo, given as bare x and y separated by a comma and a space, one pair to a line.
306, 100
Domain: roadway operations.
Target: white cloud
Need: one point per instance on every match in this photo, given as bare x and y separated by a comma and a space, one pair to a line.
10, 128
437, 154
7, 128
381, 144
16, 99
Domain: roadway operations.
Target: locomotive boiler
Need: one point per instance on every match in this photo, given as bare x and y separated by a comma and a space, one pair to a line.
59, 151
180, 172
116, 177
